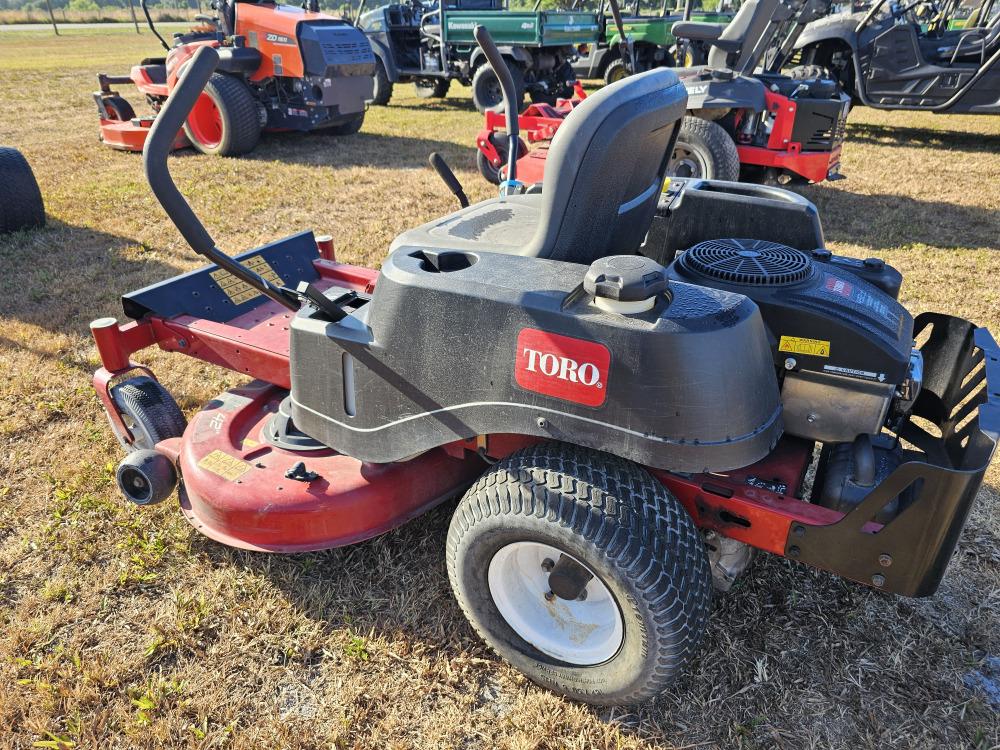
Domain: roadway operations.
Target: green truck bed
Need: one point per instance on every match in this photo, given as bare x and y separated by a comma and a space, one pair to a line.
523, 28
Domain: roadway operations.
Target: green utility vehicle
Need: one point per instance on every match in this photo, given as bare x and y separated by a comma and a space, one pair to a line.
432, 45
651, 30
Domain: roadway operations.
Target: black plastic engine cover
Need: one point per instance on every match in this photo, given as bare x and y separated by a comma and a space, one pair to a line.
821, 315
335, 49
463, 344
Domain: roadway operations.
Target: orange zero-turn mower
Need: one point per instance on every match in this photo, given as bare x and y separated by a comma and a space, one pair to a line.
628, 414
281, 67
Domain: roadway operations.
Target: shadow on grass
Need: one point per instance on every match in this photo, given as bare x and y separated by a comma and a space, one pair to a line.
902, 136
45, 269
359, 150
894, 221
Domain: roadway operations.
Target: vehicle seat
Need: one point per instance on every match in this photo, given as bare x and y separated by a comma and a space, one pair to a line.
972, 43
603, 177
732, 44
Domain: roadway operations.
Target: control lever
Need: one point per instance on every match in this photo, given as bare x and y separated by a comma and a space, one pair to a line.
495, 59
154, 160
448, 178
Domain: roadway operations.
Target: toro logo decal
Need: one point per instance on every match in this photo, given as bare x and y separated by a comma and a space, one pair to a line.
562, 367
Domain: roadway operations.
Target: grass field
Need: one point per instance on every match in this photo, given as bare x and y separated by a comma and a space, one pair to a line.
124, 628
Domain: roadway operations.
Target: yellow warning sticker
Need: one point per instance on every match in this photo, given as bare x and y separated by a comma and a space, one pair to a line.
812, 347
224, 465
239, 291
249, 443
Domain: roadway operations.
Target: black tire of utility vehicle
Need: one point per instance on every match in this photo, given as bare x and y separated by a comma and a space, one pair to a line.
238, 114
383, 86
21, 204
486, 91
431, 88
350, 127
501, 142
617, 520
704, 149
118, 108
149, 412
616, 71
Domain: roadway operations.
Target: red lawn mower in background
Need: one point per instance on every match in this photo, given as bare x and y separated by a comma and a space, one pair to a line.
742, 122
624, 429
280, 68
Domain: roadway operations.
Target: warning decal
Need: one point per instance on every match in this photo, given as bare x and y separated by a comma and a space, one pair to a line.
239, 291
224, 465
797, 345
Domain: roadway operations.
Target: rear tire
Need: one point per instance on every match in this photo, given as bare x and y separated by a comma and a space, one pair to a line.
615, 71
383, 86
486, 91
431, 88
704, 150
225, 120
149, 412
635, 624
21, 204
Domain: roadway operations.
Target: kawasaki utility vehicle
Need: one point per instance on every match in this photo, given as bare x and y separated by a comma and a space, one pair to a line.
432, 45
624, 423
910, 56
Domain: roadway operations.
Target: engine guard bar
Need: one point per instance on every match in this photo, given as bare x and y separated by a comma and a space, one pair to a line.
960, 399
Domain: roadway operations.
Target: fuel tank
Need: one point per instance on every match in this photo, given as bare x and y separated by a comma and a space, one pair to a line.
458, 344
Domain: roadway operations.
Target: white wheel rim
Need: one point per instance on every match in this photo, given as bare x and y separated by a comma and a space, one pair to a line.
577, 632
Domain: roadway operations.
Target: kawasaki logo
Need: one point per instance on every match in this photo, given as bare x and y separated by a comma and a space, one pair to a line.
562, 367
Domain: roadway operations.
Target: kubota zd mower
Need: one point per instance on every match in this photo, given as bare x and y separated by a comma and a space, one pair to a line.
280, 68
625, 427
746, 120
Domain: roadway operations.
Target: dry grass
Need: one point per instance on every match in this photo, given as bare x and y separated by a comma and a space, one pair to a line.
125, 628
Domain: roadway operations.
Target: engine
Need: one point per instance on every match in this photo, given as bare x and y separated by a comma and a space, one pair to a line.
843, 351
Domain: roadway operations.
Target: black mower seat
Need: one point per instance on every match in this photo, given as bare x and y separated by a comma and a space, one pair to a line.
603, 177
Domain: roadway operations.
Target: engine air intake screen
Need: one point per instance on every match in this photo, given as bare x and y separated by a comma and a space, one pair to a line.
754, 262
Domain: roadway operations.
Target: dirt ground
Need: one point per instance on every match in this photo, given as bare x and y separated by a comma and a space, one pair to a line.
124, 628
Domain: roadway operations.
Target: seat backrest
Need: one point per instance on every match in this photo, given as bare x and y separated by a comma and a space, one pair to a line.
746, 28
605, 169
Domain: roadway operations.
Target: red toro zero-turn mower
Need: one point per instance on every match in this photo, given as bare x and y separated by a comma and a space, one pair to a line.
743, 121
280, 68
625, 425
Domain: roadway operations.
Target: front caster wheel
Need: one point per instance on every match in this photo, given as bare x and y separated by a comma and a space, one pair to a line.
582, 571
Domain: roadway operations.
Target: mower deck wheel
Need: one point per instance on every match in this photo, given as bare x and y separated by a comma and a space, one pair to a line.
486, 91
118, 108
501, 142
704, 149
431, 88
21, 205
146, 477
383, 86
149, 412
225, 120
350, 127
582, 571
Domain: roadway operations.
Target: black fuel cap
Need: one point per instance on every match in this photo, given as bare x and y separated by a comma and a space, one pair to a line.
625, 278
